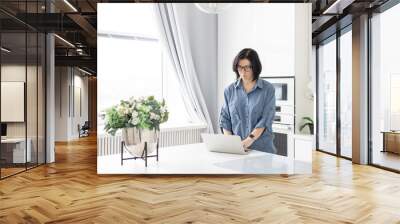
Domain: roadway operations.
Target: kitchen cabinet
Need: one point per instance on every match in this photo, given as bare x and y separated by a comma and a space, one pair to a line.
303, 147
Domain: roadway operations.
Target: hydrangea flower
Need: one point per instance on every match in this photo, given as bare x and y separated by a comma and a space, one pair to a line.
144, 113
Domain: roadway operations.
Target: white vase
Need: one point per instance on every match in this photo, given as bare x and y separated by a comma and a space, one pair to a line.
135, 139
131, 136
151, 137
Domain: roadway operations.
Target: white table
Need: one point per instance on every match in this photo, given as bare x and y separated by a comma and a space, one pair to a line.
196, 159
19, 149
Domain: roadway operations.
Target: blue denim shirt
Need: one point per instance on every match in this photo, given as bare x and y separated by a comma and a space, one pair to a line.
242, 112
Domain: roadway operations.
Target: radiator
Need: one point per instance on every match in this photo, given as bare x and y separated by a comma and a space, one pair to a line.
109, 145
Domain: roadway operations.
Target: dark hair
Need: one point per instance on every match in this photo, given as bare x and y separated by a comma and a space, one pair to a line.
252, 56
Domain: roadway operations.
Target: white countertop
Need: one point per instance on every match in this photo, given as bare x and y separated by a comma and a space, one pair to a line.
196, 159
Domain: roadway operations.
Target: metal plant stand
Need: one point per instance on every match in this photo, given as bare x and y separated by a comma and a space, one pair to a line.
144, 155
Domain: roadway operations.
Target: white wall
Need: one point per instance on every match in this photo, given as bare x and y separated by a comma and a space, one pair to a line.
256, 26
61, 103
313, 68
12, 73
84, 84
68, 82
15, 72
33, 126
302, 65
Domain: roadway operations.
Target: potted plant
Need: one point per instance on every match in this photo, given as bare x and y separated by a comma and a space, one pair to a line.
307, 122
139, 120
151, 113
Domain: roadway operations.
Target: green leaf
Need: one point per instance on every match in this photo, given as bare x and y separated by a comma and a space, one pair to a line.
308, 119
302, 127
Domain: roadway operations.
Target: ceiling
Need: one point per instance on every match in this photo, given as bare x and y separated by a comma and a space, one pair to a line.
76, 22
75, 43
329, 16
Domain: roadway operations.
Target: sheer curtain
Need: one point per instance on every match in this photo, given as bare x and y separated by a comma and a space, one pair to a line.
178, 49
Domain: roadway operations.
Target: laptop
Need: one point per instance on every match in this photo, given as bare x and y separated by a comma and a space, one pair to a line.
224, 143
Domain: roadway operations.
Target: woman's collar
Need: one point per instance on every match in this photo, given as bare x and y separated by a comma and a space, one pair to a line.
259, 83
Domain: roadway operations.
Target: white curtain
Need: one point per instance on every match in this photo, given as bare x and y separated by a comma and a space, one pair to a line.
178, 49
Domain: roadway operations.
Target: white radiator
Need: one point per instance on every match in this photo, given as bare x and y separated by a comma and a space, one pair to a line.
108, 145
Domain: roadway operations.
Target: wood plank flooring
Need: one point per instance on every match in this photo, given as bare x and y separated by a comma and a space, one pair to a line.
10, 171
70, 191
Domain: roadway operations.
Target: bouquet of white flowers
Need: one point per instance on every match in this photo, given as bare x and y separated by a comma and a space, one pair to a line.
143, 113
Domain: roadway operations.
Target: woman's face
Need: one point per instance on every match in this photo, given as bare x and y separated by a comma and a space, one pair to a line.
245, 70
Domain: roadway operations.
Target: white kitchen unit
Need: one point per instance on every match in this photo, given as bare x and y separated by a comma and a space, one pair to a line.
283, 139
303, 147
196, 159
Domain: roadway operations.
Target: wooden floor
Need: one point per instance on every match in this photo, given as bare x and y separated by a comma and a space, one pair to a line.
10, 171
70, 191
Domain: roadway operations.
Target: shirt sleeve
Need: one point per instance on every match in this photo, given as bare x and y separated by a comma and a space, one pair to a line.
225, 118
268, 113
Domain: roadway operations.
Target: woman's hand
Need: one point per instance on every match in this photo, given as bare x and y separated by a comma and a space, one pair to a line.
247, 143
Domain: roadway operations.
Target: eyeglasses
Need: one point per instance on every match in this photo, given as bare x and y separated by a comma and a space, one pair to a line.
245, 68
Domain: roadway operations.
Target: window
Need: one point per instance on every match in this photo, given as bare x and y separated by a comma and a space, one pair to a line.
131, 61
346, 94
334, 106
385, 89
327, 96
22, 108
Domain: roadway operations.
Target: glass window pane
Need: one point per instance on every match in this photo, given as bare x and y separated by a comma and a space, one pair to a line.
13, 86
31, 97
127, 19
346, 94
327, 96
139, 62
385, 114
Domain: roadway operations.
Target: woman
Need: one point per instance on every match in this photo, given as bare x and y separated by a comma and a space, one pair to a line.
249, 104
